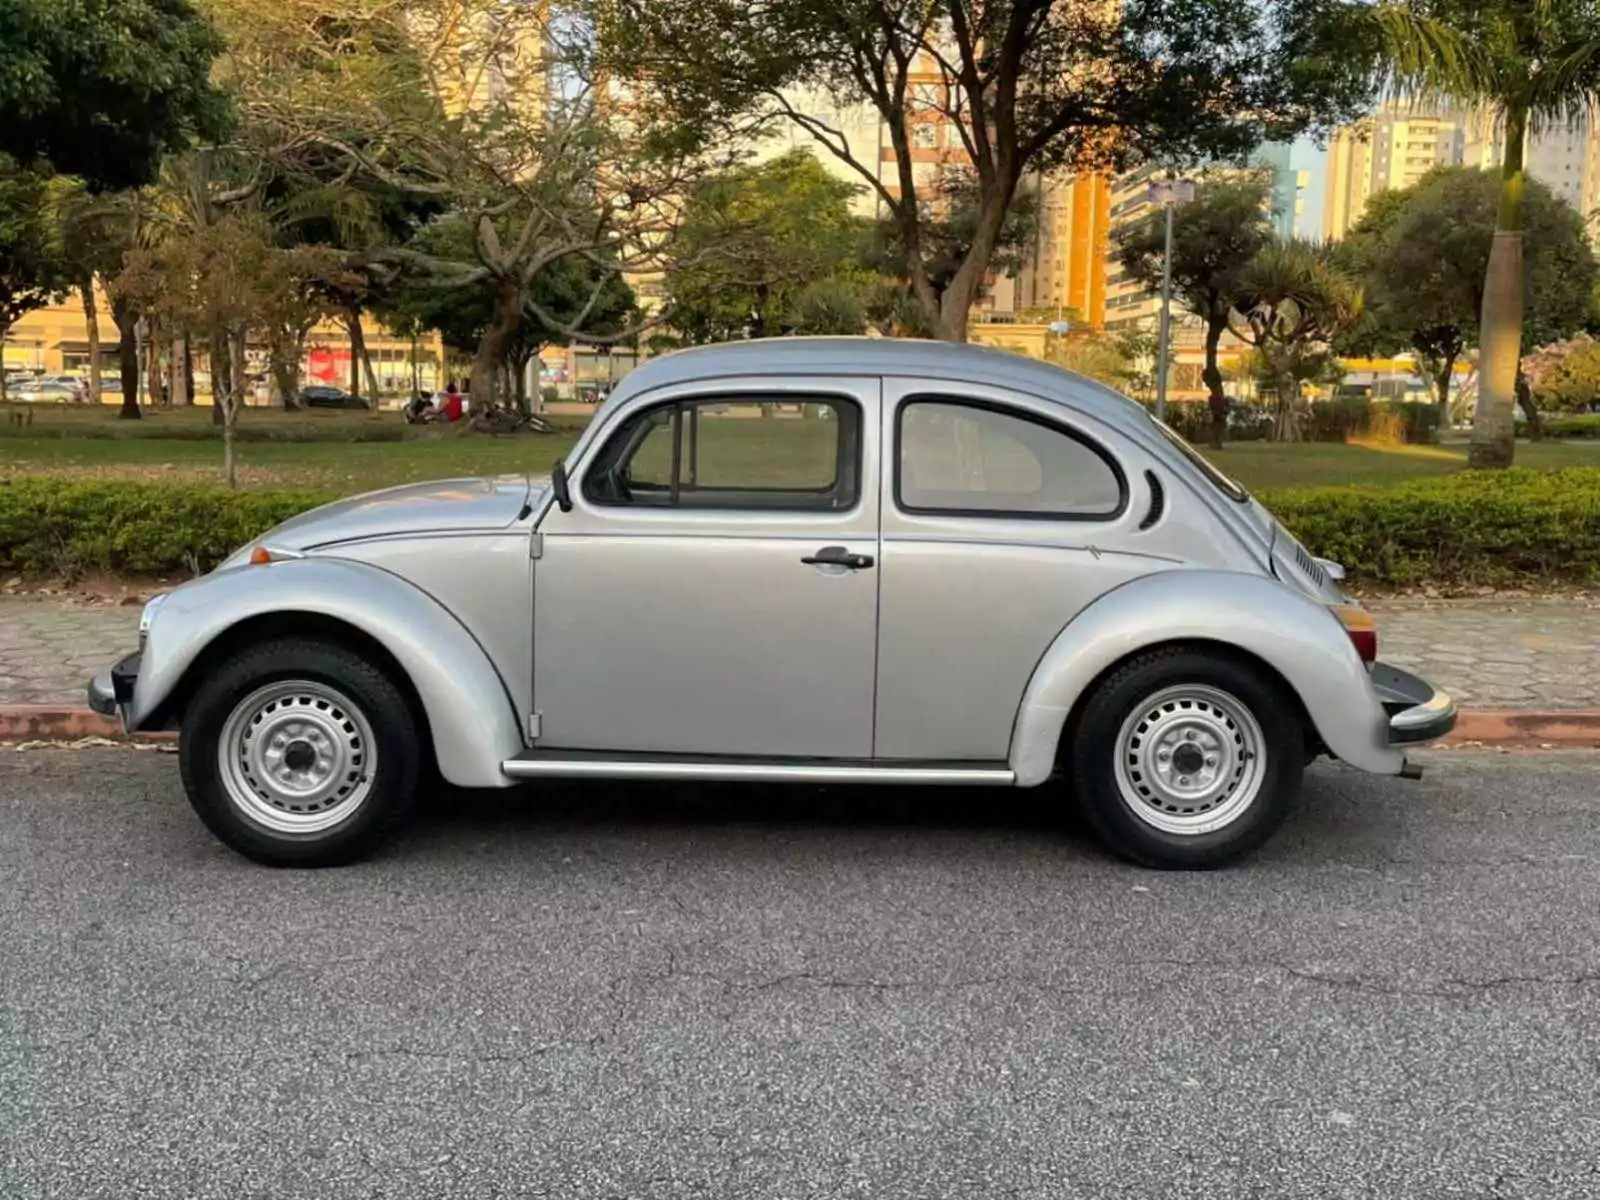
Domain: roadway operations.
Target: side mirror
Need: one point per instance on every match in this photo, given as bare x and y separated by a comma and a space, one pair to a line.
558, 484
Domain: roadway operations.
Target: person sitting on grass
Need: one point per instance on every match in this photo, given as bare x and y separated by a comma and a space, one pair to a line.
448, 406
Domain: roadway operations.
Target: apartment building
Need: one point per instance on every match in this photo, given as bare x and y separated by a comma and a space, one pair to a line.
1392, 148
1556, 153
1066, 265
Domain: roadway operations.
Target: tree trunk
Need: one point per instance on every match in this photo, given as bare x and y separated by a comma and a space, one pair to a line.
358, 349
221, 379
91, 320
285, 381
1501, 323
1212, 375
5, 332
492, 346
955, 306
1525, 398
1441, 386
153, 388
1287, 426
179, 373
188, 370
127, 322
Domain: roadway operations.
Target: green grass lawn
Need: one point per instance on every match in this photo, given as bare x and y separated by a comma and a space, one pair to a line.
177, 445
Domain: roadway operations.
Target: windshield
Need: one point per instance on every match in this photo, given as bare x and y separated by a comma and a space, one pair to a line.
1224, 484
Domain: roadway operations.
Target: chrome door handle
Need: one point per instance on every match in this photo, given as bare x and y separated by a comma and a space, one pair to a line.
838, 556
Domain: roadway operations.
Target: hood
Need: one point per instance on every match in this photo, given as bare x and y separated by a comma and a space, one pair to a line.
441, 506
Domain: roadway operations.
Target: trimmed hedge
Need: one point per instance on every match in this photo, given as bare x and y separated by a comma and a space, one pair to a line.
1500, 528
68, 527
1576, 425
1475, 527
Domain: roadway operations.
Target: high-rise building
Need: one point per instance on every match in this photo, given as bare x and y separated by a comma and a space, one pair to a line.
1066, 265
1393, 148
1557, 153
1128, 304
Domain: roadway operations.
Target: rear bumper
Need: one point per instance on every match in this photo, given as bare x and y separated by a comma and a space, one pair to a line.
111, 690
1418, 711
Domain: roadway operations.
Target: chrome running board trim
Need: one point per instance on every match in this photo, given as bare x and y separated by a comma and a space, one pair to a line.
550, 766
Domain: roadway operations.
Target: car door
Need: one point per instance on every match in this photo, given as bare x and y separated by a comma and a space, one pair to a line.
713, 588
1003, 516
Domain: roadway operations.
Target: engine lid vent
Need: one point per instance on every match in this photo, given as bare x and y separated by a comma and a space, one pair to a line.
1158, 501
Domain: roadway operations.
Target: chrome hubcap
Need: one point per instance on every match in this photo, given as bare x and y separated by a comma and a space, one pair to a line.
297, 756
1190, 759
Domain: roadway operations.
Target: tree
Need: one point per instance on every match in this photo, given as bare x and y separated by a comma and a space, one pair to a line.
948, 233
754, 244
225, 280
1565, 375
1006, 87
1526, 62
1423, 253
497, 113
97, 233
1292, 302
103, 90
1215, 238
1111, 360
461, 315
33, 270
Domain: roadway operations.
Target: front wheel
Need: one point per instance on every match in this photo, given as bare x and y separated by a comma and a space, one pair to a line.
300, 753
1187, 759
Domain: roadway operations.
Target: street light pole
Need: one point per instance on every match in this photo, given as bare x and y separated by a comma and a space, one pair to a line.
1164, 339
1167, 193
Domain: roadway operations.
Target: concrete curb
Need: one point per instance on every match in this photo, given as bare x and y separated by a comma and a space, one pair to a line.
1527, 728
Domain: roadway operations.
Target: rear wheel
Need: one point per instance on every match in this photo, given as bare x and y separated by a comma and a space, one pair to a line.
300, 753
1187, 759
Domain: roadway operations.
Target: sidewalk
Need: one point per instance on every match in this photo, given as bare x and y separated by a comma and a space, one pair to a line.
1494, 653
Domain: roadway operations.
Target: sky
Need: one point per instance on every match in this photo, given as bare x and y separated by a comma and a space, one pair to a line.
1306, 155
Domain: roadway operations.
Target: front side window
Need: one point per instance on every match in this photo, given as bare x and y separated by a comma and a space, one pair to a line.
972, 459
729, 452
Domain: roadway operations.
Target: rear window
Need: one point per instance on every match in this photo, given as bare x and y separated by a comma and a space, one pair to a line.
1223, 483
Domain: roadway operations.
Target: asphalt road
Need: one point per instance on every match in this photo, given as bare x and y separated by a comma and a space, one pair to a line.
752, 992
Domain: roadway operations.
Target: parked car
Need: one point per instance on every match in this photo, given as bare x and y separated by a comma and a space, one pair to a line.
59, 388
979, 570
320, 395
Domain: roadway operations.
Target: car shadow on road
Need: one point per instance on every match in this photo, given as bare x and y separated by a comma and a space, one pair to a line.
571, 806
1034, 817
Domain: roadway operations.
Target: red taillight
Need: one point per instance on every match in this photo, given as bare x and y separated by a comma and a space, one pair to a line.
1361, 628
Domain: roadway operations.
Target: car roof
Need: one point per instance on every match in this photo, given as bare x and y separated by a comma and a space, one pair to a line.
957, 362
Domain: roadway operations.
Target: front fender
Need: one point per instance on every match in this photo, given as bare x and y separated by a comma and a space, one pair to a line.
475, 726
1295, 635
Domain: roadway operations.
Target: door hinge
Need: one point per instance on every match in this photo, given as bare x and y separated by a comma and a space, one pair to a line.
533, 726
536, 545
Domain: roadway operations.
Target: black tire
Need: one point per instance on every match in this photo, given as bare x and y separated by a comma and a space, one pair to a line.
391, 787
1093, 751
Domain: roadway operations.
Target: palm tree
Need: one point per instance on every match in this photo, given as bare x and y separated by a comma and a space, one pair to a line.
1290, 302
1524, 63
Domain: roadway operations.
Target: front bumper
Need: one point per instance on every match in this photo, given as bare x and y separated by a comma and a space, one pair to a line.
1418, 711
111, 690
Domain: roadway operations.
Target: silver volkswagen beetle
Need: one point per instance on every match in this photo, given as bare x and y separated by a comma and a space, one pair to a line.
834, 561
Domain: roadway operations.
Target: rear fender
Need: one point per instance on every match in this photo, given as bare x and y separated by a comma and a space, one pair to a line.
1296, 636
474, 723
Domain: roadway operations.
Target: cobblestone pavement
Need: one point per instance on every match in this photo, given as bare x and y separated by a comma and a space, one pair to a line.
1490, 653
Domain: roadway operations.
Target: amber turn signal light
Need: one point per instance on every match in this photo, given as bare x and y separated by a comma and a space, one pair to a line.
1361, 628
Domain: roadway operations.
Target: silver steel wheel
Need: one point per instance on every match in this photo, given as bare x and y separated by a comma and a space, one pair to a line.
297, 756
1190, 760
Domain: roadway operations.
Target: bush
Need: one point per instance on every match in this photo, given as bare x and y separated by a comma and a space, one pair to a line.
1339, 419
1478, 527
1246, 422
1419, 422
1581, 425
56, 526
